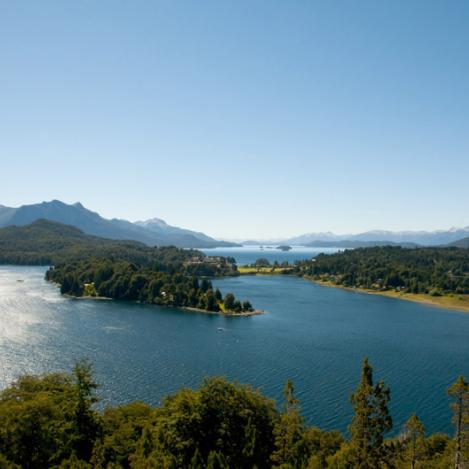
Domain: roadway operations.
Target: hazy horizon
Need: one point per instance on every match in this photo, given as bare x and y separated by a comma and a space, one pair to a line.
263, 119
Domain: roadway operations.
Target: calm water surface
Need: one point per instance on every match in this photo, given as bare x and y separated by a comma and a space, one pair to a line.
249, 254
315, 335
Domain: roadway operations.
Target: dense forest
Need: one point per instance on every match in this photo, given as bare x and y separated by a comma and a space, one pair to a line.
436, 271
46, 242
51, 421
122, 280
86, 265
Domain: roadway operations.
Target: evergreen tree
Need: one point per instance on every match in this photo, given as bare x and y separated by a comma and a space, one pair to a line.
85, 418
414, 441
229, 301
247, 306
370, 422
212, 304
290, 445
459, 392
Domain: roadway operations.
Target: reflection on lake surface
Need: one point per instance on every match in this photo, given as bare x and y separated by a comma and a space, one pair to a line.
315, 335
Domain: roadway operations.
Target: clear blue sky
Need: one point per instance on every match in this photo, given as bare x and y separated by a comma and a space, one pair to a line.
239, 118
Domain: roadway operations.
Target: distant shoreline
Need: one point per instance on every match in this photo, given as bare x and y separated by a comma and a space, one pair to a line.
246, 270
87, 297
256, 312
455, 303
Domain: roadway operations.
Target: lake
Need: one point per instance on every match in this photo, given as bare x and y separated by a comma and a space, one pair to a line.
249, 254
315, 335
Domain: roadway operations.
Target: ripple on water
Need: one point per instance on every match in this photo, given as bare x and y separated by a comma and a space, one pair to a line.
315, 335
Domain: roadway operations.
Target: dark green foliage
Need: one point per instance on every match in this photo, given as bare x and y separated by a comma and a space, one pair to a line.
48, 243
413, 445
290, 434
421, 270
87, 424
125, 270
436, 445
459, 392
122, 280
122, 429
50, 422
247, 306
371, 421
221, 425
229, 301
46, 420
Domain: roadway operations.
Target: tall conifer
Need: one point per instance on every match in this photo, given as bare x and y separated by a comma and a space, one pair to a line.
371, 420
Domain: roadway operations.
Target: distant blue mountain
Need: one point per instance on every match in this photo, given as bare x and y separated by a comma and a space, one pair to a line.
425, 238
461, 243
151, 232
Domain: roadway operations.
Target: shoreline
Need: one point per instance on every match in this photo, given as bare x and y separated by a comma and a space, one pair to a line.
87, 297
256, 312
452, 303
243, 270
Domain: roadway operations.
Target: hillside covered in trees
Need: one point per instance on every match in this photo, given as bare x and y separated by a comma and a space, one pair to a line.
85, 265
51, 421
434, 271
46, 242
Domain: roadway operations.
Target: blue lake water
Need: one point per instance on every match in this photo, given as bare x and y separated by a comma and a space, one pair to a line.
249, 254
315, 335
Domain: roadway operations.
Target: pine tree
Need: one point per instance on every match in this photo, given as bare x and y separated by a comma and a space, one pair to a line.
290, 444
86, 420
371, 420
459, 392
415, 439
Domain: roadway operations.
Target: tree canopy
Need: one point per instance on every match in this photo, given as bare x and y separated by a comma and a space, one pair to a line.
435, 271
51, 421
122, 280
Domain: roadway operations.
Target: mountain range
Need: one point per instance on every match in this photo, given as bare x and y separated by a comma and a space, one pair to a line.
154, 232
461, 243
424, 238
453, 236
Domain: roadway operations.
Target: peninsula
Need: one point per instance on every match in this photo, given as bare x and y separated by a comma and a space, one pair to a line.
86, 266
436, 276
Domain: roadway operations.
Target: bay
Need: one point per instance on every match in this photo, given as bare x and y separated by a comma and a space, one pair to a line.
315, 335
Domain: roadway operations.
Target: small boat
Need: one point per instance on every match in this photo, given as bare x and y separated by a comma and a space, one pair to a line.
220, 329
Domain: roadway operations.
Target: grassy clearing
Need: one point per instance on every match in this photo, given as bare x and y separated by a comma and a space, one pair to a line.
247, 270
